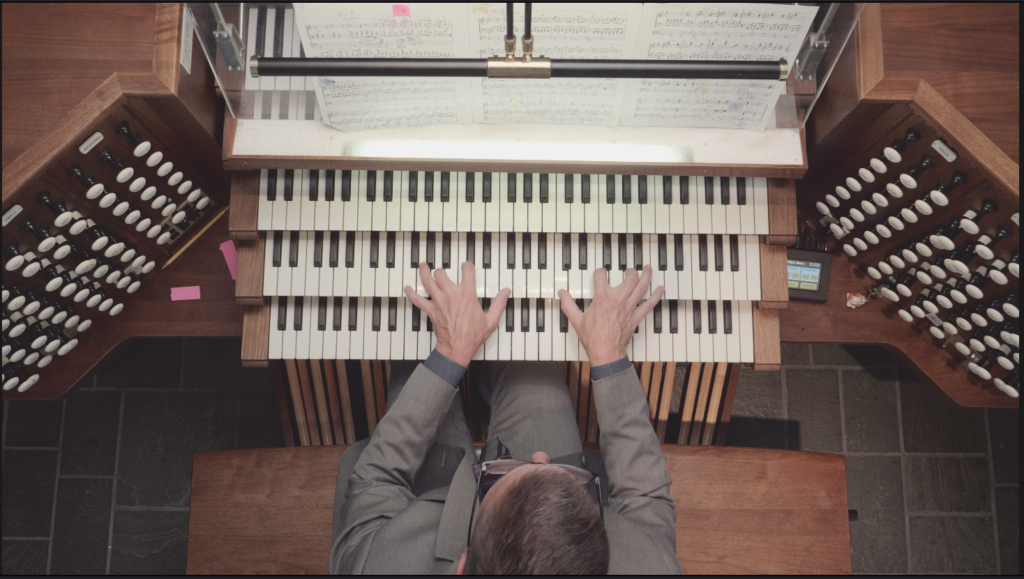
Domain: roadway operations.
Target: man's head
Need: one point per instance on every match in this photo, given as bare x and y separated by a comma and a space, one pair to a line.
538, 519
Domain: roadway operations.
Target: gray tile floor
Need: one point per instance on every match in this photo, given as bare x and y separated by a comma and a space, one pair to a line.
100, 482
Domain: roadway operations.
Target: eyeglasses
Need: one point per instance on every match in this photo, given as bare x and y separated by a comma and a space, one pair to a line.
492, 471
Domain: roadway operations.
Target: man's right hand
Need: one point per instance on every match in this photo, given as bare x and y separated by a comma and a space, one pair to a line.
607, 326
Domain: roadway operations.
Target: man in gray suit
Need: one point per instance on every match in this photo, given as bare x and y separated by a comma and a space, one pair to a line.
406, 497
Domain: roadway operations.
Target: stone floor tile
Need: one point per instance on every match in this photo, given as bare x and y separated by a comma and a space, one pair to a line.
1004, 431
25, 557
794, 354
81, 526
812, 401
948, 485
90, 433
1008, 516
933, 424
757, 414
216, 363
878, 541
952, 544
149, 542
869, 407
28, 477
864, 355
144, 363
34, 423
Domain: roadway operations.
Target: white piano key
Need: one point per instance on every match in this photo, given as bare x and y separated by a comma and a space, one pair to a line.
379, 222
575, 274
753, 267
533, 275
396, 274
478, 260
492, 274
760, 199
420, 208
657, 274
653, 340
450, 220
726, 279
290, 333
326, 274
666, 339
493, 210
647, 210
543, 336
718, 212
535, 209
344, 337
312, 273
292, 50
691, 211
464, 217
713, 277
411, 337
351, 207
284, 273
564, 211
720, 340
367, 286
706, 339
316, 333
321, 207
407, 219
394, 207
435, 209
268, 82
733, 220
518, 273
693, 342
678, 339
662, 211
504, 273
605, 210
583, 357
620, 212
504, 350
276, 339
357, 271
547, 275
269, 271
477, 214
670, 277
298, 287
634, 217
557, 337
699, 277
532, 336
520, 210
279, 207
382, 277
747, 218
371, 336
733, 340
264, 208
586, 217
746, 327
296, 106
550, 209
561, 275
587, 275
330, 339
405, 261
251, 84
698, 198
506, 214
357, 338
739, 279
650, 258
364, 209
572, 344
384, 335
284, 82
491, 345
518, 335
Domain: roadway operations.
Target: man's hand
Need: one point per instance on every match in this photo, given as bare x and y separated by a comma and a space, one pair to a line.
460, 325
608, 325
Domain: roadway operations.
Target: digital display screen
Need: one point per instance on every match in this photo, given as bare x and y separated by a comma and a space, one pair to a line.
804, 275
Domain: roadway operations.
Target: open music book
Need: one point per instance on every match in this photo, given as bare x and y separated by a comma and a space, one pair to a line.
571, 31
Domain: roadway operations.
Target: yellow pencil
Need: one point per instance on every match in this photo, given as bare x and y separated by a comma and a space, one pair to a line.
197, 236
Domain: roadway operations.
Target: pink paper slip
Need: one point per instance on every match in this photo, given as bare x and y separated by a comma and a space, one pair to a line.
400, 10
184, 293
231, 257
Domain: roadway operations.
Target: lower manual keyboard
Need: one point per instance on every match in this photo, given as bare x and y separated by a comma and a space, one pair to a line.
392, 328
532, 265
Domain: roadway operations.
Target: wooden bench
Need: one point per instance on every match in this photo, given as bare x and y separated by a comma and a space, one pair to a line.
739, 510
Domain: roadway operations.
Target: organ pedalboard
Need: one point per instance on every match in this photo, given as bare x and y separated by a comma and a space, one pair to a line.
84, 234
936, 233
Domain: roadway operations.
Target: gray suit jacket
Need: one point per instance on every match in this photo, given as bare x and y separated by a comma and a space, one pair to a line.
403, 502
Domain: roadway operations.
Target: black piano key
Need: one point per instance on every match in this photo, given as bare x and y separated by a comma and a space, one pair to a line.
278, 242
542, 251
734, 252
725, 190
544, 188
511, 187
371, 186
389, 185
540, 315
335, 243
678, 243
430, 323
487, 249
353, 314
510, 252
487, 188
585, 189
510, 317
606, 262
414, 250
392, 314
293, 249
622, 251
702, 248
673, 316
662, 252
318, 249
696, 317
528, 188
428, 186
375, 317
485, 304
389, 259
712, 317
314, 185
566, 251
583, 251
282, 313
446, 182
741, 190
527, 247
272, 184
719, 254
709, 190
346, 185
666, 190
627, 189
642, 193
297, 312
471, 248
563, 322
321, 314
430, 249
337, 314
446, 250
261, 31
638, 251
657, 318
470, 187
727, 316
413, 186
568, 188
524, 314
279, 32
610, 189
329, 185
289, 183
415, 319
374, 249
350, 249
684, 190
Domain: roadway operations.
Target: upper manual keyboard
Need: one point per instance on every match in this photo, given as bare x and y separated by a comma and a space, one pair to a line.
343, 200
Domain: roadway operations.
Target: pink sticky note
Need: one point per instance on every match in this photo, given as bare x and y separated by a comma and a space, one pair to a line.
400, 10
184, 293
231, 257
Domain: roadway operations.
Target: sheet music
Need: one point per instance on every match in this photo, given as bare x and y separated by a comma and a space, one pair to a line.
563, 31
387, 31
712, 32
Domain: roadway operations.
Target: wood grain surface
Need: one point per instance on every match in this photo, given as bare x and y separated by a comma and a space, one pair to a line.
739, 510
